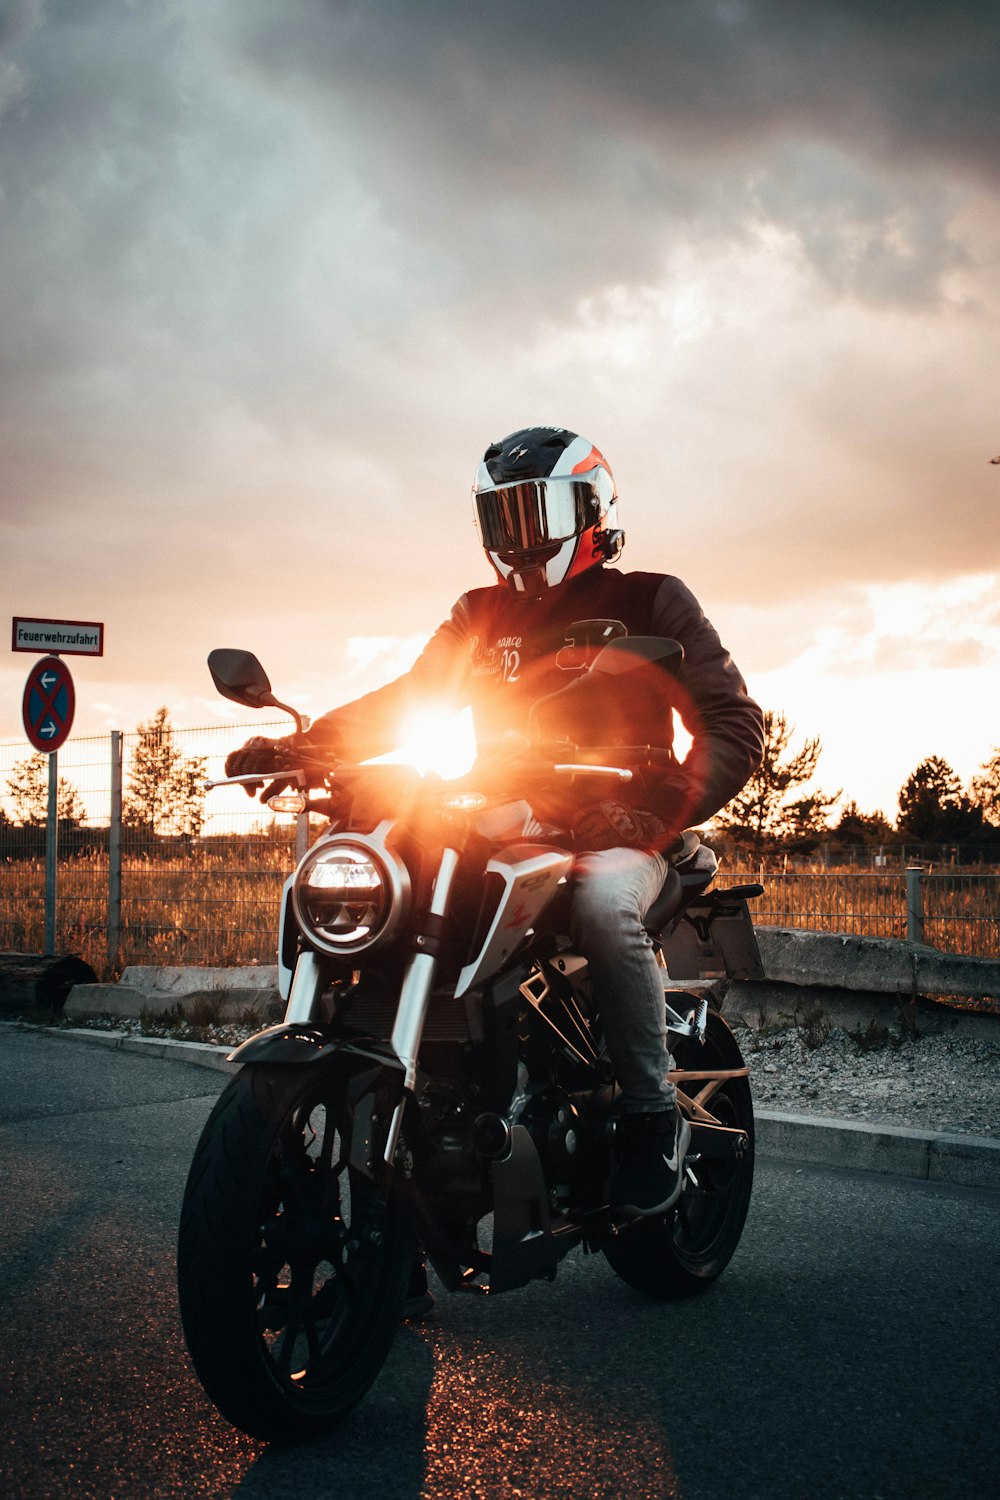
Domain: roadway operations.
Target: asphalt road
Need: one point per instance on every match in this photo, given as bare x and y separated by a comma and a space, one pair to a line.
850, 1350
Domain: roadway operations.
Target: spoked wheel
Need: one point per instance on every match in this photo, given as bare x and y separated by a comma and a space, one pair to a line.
292, 1265
684, 1251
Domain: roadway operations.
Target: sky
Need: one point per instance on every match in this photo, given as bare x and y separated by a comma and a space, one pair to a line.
275, 274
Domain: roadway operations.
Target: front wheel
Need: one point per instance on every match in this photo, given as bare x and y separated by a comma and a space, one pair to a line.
292, 1265
684, 1251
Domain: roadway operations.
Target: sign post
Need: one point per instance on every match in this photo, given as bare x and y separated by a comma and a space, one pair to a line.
51, 855
47, 710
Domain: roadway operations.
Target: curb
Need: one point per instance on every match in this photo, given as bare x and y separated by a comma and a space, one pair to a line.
895, 1151
201, 1054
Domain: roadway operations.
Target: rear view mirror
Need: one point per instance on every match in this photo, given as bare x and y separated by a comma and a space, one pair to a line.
239, 675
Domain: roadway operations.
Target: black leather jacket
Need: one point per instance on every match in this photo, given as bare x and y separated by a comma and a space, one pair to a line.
498, 652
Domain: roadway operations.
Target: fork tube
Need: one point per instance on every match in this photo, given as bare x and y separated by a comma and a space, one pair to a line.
415, 993
419, 977
307, 986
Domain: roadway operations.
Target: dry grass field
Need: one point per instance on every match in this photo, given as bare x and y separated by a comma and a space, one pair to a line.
206, 908
219, 905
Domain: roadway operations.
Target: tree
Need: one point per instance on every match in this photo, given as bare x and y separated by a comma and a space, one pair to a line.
857, 827
165, 793
986, 788
760, 813
28, 784
932, 806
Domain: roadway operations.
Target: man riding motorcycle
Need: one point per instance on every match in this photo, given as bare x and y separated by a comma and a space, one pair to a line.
546, 509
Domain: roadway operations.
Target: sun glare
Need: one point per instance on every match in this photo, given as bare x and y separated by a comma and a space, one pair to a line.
437, 741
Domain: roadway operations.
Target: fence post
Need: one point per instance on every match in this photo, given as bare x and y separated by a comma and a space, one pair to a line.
301, 835
914, 905
51, 854
115, 852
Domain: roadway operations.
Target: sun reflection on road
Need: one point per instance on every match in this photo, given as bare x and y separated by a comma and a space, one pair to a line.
492, 1430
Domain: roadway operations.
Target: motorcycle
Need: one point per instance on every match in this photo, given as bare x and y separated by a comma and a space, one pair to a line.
439, 1085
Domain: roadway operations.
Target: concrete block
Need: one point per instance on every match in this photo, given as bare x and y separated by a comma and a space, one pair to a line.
86, 1000
757, 1003
794, 956
144, 987
937, 973
167, 984
766, 1002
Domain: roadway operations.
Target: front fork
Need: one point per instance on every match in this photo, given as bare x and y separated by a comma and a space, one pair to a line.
309, 982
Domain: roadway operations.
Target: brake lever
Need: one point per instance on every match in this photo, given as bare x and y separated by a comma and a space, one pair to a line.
299, 776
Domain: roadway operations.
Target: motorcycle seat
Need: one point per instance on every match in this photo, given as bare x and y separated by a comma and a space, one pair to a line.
686, 870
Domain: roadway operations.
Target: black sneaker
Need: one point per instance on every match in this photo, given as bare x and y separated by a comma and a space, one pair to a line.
419, 1297
649, 1162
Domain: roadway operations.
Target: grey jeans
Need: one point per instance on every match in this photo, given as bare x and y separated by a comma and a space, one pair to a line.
614, 889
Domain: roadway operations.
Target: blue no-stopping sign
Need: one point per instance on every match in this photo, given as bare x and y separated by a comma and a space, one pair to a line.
49, 703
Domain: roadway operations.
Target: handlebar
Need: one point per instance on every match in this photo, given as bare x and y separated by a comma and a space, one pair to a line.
615, 773
302, 776
259, 777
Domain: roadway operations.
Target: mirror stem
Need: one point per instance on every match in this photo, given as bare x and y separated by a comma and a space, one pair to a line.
268, 700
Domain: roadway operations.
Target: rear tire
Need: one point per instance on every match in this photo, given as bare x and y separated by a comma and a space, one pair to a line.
684, 1251
292, 1266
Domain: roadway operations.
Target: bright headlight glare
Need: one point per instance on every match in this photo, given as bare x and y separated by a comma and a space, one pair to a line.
347, 874
348, 897
465, 801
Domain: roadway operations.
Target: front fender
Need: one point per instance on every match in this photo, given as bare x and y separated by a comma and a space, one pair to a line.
370, 1090
291, 1042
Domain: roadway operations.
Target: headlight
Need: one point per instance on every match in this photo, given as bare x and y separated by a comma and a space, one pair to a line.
350, 894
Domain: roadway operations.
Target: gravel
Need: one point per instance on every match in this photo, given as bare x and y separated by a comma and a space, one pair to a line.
940, 1082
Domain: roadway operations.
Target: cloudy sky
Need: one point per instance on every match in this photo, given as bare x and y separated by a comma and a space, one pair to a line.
274, 272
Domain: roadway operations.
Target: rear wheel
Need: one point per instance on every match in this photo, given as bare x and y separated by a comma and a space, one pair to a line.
683, 1251
292, 1265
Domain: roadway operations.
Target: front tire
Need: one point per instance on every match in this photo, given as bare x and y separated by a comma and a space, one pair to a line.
684, 1251
292, 1265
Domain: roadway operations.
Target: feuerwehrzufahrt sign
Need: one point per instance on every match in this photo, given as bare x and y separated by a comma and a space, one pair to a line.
65, 637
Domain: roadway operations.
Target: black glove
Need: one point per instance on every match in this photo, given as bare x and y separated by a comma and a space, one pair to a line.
614, 825
266, 756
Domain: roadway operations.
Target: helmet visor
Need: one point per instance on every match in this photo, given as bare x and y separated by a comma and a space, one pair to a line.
524, 517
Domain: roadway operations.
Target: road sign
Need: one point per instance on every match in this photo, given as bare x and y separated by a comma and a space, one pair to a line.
48, 704
68, 637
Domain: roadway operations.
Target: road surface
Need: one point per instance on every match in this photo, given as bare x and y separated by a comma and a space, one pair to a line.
850, 1350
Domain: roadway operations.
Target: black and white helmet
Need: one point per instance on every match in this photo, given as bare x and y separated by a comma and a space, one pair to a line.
546, 508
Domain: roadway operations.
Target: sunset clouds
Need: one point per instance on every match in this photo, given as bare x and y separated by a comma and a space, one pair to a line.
273, 275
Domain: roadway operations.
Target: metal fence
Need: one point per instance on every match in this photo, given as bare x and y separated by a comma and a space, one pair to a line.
955, 912
130, 895
138, 895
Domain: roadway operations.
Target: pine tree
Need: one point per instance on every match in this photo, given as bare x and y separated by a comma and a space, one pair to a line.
760, 813
986, 788
165, 793
28, 785
933, 807
857, 827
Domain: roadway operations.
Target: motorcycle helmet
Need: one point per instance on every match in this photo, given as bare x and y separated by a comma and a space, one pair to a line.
546, 508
